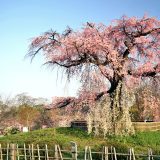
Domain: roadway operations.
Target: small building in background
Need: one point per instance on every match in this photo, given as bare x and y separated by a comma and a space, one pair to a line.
79, 124
25, 129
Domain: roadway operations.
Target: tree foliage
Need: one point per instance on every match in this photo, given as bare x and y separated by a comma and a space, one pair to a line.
129, 46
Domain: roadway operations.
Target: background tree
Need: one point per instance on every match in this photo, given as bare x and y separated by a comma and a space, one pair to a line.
24, 99
23, 110
147, 101
8, 112
124, 51
27, 115
44, 119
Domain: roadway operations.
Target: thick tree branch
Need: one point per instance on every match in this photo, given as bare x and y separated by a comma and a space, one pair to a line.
126, 53
144, 74
139, 34
70, 63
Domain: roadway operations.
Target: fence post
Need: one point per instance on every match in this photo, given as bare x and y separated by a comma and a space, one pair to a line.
115, 154
55, 152
85, 153
17, 152
7, 158
1, 154
13, 151
74, 150
32, 149
112, 153
29, 150
46, 152
150, 157
88, 153
58, 154
105, 153
129, 157
133, 154
25, 152
39, 156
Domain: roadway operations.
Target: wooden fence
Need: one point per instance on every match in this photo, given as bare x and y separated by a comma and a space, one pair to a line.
31, 152
146, 126
139, 126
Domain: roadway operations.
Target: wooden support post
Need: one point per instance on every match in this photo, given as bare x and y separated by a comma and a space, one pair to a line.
17, 152
85, 152
129, 155
13, 151
32, 149
29, 150
39, 156
88, 153
115, 154
150, 154
105, 153
25, 153
55, 152
112, 153
74, 150
1, 153
46, 152
7, 152
58, 154
133, 155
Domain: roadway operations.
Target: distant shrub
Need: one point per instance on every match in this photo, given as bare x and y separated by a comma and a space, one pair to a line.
11, 130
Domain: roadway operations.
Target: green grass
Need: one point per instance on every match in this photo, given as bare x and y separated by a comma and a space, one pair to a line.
62, 136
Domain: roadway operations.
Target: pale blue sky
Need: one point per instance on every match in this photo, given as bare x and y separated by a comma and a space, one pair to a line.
21, 20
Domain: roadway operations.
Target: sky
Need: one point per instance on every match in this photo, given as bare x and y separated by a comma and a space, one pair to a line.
21, 20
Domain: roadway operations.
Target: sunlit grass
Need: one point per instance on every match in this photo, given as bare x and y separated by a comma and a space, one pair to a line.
63, 136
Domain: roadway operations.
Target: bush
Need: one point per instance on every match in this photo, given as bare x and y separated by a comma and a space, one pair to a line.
11, 130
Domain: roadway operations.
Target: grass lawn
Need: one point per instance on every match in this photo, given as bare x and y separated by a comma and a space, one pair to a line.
62, 136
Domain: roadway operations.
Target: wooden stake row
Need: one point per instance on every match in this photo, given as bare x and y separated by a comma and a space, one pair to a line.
31, 152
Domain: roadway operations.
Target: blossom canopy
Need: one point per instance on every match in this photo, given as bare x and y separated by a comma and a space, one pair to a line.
129, 47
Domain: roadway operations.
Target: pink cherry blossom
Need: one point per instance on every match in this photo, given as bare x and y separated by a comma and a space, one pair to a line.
124, 51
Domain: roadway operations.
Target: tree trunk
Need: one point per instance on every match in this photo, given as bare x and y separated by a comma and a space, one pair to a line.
121, 119
115, 105
111, 114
